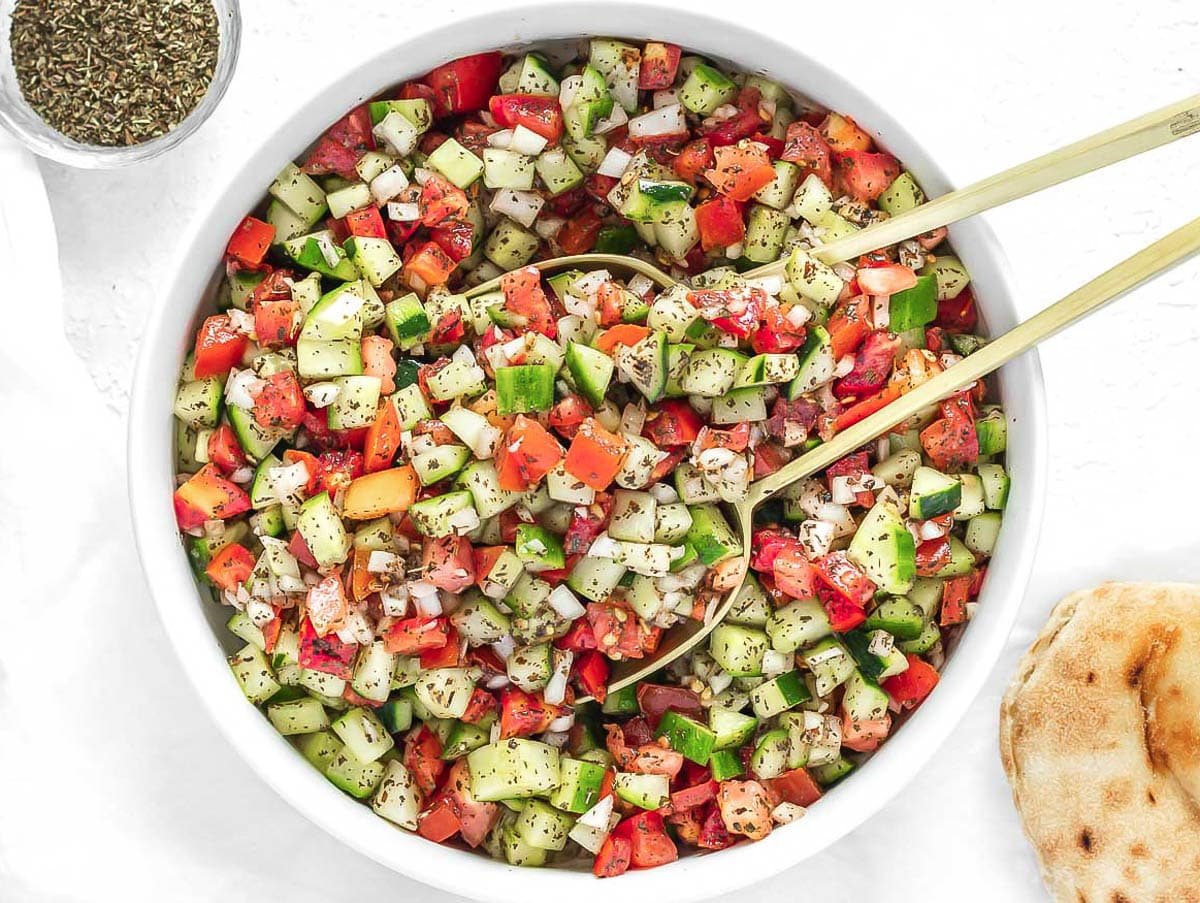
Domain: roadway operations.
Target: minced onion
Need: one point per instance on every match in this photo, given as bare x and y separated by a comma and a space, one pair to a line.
502, 140
564, 603
665, 98
548, 226
403, 213
521, 206
659, 123
388, 184
615, 162
322, 395
241, 387
526, 141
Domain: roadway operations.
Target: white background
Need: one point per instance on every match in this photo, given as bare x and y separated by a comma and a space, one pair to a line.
113, 783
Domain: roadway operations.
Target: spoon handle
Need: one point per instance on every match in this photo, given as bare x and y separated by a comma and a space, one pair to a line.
1124, 277
1110, 146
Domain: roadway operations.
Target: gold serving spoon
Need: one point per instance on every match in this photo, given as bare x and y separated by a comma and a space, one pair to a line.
1096, 152
1100, 150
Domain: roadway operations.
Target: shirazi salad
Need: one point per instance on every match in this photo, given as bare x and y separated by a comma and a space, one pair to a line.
438, 519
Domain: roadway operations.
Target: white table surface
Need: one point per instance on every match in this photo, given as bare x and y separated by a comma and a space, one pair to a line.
112, 780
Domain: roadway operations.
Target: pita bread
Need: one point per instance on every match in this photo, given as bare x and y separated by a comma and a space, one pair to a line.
1100, 738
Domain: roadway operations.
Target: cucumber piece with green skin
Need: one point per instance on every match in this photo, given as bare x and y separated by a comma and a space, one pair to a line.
440, 463
784, 692
858, 643
536, 77
813, 198
354, 776
434, 517
516, 768
319, 748
711, 372
961, 563
929, 638
951, 276
646, 791
579, 786
411, 406
649, 200
542, 826
538, 548
416, 110
863, 699
768, 369
525, 388
479, 621
616, 240
972, 502
766, 229
463, 739
992, 433
770, 756
286, 224
301, 716
363, 733
356, 404
255, 441
816, 363
751, 607
983, 531
591, 371
299, 193
797, 624
510, 246
482, 482
517, 852
996, 484
407, 321
320, 525
558, 171
691, 738
901, 196
253, 673
645, 365
198, 402
397, 798
595, 578
705, 89
396, 715
338, 314
778, 194
725, 764
323, 360
527, 595
914, 307
933, 493
731, 729
830, 663
966, 344
621, 702
354, 196
677, 358
305, 251
898, 616
738, 650
710, 535
884, 548
592, 103
740, 406
671, 523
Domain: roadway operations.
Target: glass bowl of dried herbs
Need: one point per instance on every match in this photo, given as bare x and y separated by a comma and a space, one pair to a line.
97, 84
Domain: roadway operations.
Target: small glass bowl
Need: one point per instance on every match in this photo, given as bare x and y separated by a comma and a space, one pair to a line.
17, 116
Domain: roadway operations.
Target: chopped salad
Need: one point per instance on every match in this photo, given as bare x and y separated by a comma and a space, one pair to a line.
438, 516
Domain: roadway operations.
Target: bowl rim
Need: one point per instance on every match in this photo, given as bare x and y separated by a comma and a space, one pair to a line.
276, 761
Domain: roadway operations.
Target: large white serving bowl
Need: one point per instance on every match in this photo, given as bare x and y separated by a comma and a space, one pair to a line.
196, 628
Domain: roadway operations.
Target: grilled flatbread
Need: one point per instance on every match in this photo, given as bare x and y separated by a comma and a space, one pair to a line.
1100, 738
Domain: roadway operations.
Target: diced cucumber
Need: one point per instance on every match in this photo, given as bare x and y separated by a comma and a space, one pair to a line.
542, 826
812, 279
198, 403
398, 798
645, 365
524, 388
509, 246
779, 192
595, 578
747, 405
725, 764
535, 77
646, 791
557, 171
771, 753
863, 700
693, 739
914, 307
738, 650
885, 550
321, 528
254, 675
751, 607
300, 194
440, 463
354, 776
538, 548
309, 252
951, 275
693, 487
633, 516
373, 672
463, 738
255, 441
590, 370
784, 692
671, 523
830, 663
711, 536
516, 768
711, 372
301, 716
816, 363
375, 258
478, 621
982, 532
320, 748
457, 379
483, 485
899, 616
731, 729
456, 163
705, 89
995, 485
972, 501
507, 169
416, 110
411, 406
902, 195
445, 692
898, 469
321, 360
356, 404
363, 733
933, 493
579, 785
992, 432
813, 199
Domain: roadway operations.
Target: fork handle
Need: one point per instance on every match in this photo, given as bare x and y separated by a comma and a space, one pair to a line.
1110, 146
1124, 277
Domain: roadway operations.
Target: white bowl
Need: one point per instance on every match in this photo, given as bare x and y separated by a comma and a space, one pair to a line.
196, 629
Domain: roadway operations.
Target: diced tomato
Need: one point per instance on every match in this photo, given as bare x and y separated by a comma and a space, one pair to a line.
667, 465
796, 786
844, 589
713, 835
866, 408
675, 422
885, 279
598, 186
441, 200
440, 821
250, 241
456, 238
567, 414
474, 136
654, 700
578, 235
447, 656
693, 159
423, 758
777, 334
578, 638
745, 808
218, 347
955, 594
621, 334
208, 496
448, 563
616, 628
524, 714
873, 364
794, 574
326, 654
383, 439
569, 202
650, 844
277, 323
523, 295
864, 735
766, 544
542, 115
595, 455
224, 450
743, 124
740, 170
341, 146
299, 550
863, 175
808, 149
843, 134
279, 405
613, 858
482, 703
430, 264
720, 223
592, 670
932, 556
849, 324
366, 223
464, 84
736, 438
958, 314
326, 605
339, 469
909, 688
768, 458
476, 819
660, 62
951, 442
413, 636
694, 796
230, 567
526, 454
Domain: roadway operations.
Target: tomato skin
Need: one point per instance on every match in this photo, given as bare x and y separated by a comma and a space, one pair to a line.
567, 414
952, 442
794, 574
366, 223
230, 567
955, 593
429, 263
541, 115
849, 324
535, 456
224, 450
910, 687
720, 223
441, 200
655, 699
674, 423
524, 295
413, 636
613, 858
843, 134
578, 235
766, 545
660, 62
422, 757
863, 175
208, 496
277, 323
440, 821
796, 786
250, 241
958, 314
481, 705
279, 405
218, 347
595, 455
457, 239
465, 84
650, 845
740, 170
873, 363
524, 714
713, 835
448, 563
808, 149
844, 589
447, 656
693, 158
340, 147
383, 439
593, 670
326, 654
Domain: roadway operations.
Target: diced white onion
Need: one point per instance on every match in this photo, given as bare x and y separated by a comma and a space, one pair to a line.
640, 285
598, 815
775, 663
772, 285
798, 315
425, 597
328, 249
786, 813
381, 562
504, 647
604, 546
664, 493
720, 681
241, 321
548, 226
669, 120
394, 600
614, 120
633, 418
242, 475
388, 184
816, 537
881, 312
735, 251
615, 162
322, 395
844, 365
397, 133
422, 175
840, 491
556, 687
501, 139
403, 213
665, 98
564, 603
567, 89
527, 141
240, 388
521, 206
